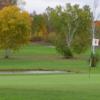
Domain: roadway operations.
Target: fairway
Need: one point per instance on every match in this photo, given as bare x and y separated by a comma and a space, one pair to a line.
43, 57
50, 87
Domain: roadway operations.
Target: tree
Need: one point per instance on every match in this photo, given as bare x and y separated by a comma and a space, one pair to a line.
15, 27
13, 1
72, 25
97, 29
39, 30
4, 3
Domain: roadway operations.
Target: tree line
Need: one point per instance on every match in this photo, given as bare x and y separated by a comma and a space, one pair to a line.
69, 29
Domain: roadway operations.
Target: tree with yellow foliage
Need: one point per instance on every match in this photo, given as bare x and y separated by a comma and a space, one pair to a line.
15, 27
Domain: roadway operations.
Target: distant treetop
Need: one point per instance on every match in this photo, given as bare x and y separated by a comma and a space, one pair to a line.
4, 3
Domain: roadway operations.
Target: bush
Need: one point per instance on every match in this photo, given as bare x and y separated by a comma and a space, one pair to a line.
63, 48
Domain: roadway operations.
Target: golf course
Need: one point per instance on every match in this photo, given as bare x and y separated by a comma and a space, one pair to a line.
49, 50
44, 57
50, 87
76, 83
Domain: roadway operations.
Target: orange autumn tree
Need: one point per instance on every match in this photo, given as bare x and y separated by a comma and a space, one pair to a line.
15, 26
97, 23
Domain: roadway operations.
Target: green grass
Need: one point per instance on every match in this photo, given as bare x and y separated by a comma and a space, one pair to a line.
43, 57
50, 87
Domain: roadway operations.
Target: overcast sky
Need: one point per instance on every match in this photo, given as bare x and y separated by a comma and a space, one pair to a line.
40, 5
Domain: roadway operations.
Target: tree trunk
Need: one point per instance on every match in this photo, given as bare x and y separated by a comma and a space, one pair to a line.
7, 53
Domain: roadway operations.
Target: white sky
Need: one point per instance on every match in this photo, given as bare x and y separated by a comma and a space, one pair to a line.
40, 5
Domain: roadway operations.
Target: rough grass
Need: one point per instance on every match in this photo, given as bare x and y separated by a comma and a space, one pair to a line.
50, 87
43, 57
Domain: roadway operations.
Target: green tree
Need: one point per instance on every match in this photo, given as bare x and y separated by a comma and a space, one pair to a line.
72, 26
13, 1
39, 30
15, 27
